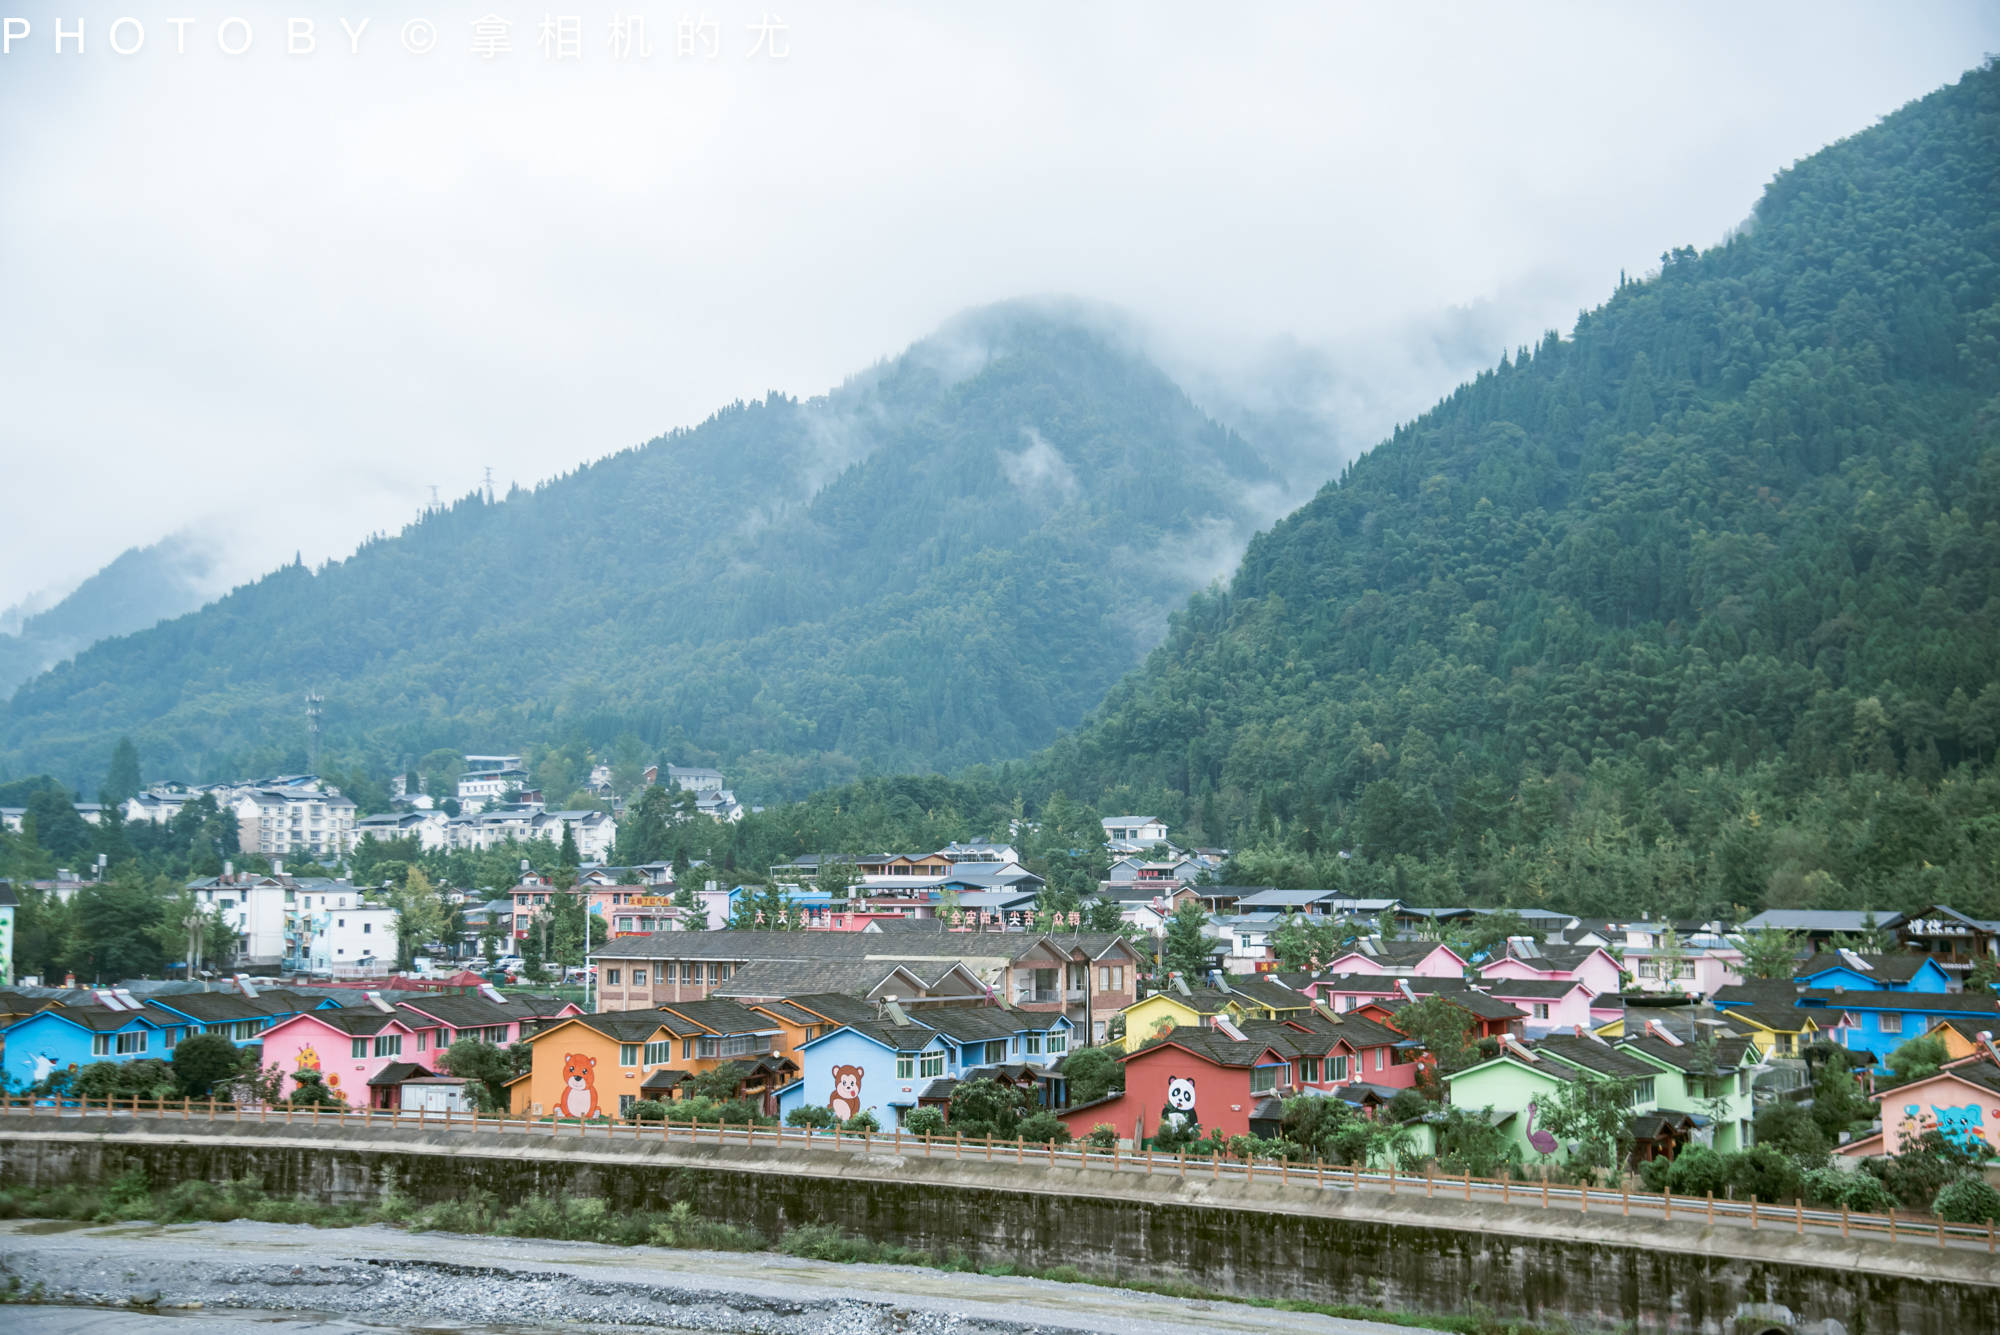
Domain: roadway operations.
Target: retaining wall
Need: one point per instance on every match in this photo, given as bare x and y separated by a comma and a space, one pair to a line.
1245, 1238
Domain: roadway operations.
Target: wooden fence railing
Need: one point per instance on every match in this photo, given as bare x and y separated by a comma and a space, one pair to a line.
1796, 1217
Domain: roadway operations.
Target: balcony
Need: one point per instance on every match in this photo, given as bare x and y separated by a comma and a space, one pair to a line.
1030, 996
1078, 994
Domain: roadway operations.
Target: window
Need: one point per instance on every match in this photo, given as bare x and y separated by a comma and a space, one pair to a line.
1541, 1010
625, 1102
906, 1067
996, 1052
340, 922
423, 1039
638, 978
129, 1044
611, 977
687, 972
367, 927
1034, 1044
388, 1045
659, 1052
628, 1054
1264, 1079
1336, 1070
1309, 1070
1891, 1022
1643, 1091
1341, 1004
359, 1048
1381, 1057
1058, 1043
714, 974
687, 1049
173, 1037
930, 1064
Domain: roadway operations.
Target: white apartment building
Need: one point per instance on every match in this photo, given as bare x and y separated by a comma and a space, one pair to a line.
429, 828
594, 830
356, 940
294, 819
483, 787
258, 909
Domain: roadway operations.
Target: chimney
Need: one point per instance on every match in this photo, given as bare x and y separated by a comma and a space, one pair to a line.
375, 1000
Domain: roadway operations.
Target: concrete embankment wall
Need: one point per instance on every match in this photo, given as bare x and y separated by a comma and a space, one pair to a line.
1249, 1239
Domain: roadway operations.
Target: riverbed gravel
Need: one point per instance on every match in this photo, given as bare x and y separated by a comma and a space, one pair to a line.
388, 1279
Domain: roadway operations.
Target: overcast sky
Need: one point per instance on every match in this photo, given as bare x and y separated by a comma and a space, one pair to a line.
278, 296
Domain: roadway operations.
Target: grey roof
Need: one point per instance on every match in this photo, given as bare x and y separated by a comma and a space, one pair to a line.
1818, 920
715, 1017
1278, 899
1687, 1056
1939, 1003
775, 978
1900, 967
1592, 1055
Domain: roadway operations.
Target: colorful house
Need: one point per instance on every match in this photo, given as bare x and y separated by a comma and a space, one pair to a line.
1778, 1031
1404, 959
484, 1016
600, 1065
1549, 1004
348, 1048
1593, 966
1516, 1086
1856, 972
1712, 1084
1877, 1022
890, 1063
71, 1037
1962, 1100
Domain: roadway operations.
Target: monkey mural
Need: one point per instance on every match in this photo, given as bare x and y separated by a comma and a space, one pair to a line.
1179, 1112
579, 1093
846, 1098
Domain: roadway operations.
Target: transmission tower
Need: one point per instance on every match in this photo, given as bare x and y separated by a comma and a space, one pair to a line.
489, 484
313, 702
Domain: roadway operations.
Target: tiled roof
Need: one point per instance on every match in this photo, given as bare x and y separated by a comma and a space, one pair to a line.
1954, 1003
1900, 967
1592, 1055
1688, 1056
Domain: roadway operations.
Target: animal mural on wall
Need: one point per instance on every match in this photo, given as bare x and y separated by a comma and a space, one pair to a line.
1964, 1127
845, 1101
1179, 1112
308, 1059
1543, 1142
579, 1094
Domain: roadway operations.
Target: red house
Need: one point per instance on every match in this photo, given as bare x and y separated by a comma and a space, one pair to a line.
1225, 1076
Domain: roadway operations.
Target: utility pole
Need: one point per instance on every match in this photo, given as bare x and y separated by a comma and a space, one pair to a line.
313, 702
489, 484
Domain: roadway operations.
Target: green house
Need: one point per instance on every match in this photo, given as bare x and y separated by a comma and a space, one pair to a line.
1714, 1086
1515, 1085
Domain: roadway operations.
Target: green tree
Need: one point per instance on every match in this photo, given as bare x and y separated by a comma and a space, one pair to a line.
1443, 1027
1092, 1073
487, 1068
121, 780
423, 917
1188, 948
1913, 1059
1596, 1115
203, 1062
986, 1108
1770, 953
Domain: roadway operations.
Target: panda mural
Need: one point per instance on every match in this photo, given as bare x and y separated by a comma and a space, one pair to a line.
1179, 1112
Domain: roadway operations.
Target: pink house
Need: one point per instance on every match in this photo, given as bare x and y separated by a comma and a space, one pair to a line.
1405, 959
348, 1048
1559, 1003
485, 1016
1592, 966
1962, 1101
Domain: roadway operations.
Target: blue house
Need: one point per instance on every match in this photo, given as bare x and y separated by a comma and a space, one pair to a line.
70, 1037
1857, 972
118, 1027
1878, 1022
891, 1063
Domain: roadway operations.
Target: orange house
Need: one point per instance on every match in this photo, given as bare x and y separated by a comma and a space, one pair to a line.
600, 1065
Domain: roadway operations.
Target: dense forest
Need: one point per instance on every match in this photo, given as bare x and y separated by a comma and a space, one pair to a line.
142, 586
1693, 608
944, 561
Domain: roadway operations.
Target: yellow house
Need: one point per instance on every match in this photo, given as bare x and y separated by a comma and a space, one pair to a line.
600, 1065
1958, 1042
1181, 1006
1778, 1031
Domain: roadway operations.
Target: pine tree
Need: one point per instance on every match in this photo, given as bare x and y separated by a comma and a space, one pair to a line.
121, 781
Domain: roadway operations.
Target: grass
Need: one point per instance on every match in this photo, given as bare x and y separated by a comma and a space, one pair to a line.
131, 1198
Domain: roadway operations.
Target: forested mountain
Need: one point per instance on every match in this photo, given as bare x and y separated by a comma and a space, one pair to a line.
144, 585
1694, 607
944, 561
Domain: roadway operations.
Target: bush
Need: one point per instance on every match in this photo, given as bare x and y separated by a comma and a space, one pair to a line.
1926, 1166
1791, 1129
1103, 1138
1969, 1200
924, 1122
1698, 1170
1043, 1128
1092, 1074
813, 1117
646, 1110
203, 1062
1765, 1174
863, 1121
683, 1228
1859, 1191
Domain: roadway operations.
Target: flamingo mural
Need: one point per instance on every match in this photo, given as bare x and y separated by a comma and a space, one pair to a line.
1543, 1142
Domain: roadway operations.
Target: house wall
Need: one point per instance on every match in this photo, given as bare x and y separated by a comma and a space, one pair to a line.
305, 1043
577, 1049
1965, 1113
1142, 1018
1222, 1093
880, 1092
41, 1045
1506, 1087
1563, 1011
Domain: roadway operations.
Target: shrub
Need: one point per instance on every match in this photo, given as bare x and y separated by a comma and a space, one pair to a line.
204, 1061
646, 1110
1698, 1170
1791, 1129
1103, 1138
1043, 1128
862, 1121
1969, 1200
924, 1122
1858, 1191
1764, 1173
682, 1227
812, 1116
